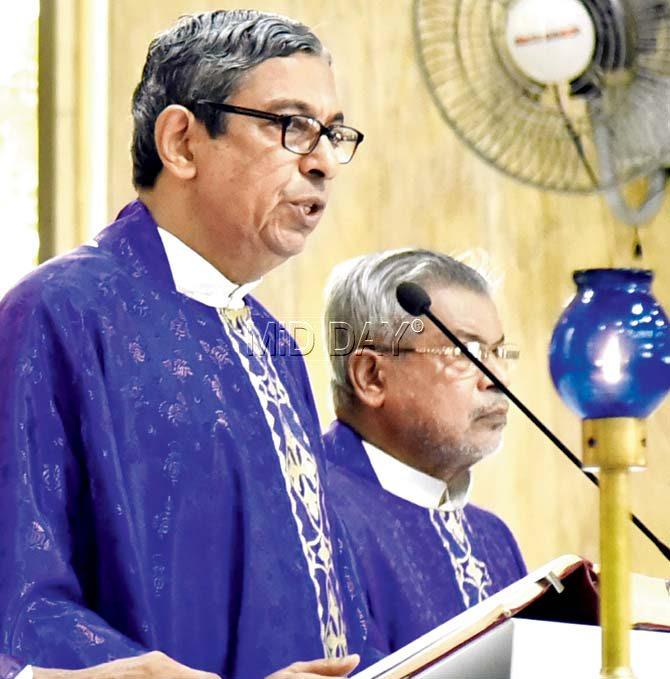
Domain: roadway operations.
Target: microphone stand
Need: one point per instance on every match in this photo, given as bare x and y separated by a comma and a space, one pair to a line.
425, 309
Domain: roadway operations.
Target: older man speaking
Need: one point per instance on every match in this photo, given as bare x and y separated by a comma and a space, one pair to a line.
161, 471
414, 416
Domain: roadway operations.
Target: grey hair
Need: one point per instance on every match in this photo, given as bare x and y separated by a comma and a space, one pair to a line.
361, 294
203, 56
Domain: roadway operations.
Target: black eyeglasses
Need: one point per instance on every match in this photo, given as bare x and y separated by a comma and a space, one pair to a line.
299, 133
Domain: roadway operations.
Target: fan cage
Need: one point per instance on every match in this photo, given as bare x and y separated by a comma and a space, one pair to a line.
545, 136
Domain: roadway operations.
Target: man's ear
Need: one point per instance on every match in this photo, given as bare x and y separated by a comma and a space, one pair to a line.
173, 134
368, 377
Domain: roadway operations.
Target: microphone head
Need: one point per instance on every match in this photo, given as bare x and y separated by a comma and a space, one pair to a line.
412, 298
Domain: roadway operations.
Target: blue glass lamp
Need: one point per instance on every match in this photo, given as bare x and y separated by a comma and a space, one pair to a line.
610, 352
610, 362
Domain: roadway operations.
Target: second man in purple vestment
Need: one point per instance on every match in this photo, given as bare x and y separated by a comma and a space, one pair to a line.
414, 416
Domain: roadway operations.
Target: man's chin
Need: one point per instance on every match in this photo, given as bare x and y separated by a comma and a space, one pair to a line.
494, 446
290, 243
486, 446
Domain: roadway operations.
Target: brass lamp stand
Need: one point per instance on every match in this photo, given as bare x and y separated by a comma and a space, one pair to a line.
614, 447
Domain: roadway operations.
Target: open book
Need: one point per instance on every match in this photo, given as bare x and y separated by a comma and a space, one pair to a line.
563, 590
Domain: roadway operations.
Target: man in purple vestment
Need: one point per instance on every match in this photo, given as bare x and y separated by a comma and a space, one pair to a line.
414, 416
162, 511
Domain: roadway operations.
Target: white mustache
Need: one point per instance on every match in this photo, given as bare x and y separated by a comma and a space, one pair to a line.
497, 408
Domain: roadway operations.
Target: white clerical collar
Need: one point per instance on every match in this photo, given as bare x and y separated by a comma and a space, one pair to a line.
196, 278
415, 486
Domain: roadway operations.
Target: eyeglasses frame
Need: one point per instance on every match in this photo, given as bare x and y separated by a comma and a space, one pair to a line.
512, 352
284, 119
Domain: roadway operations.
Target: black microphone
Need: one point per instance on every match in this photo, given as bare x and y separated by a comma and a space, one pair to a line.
413, 298
416, 302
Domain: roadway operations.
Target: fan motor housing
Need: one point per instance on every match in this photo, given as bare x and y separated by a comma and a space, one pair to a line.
551, 42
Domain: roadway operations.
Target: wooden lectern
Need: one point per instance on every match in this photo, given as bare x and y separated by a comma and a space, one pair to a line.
544, 625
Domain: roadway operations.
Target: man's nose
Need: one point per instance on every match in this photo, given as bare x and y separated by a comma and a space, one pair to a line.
321, 162
499, 367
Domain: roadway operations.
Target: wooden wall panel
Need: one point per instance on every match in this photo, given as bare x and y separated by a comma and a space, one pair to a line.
413, 183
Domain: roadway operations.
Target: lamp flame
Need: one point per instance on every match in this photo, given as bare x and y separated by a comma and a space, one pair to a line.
611, 361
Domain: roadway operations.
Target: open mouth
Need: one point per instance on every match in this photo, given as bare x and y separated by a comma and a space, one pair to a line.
309, 205
311, 208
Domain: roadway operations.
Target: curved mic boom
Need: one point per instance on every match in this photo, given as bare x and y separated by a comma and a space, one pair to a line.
416, 302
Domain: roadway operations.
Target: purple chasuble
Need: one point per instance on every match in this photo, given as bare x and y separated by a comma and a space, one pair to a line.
418, 566
160, 487
9, 667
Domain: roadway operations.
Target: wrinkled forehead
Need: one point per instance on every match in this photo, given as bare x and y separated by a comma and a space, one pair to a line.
300, 83
469, 314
